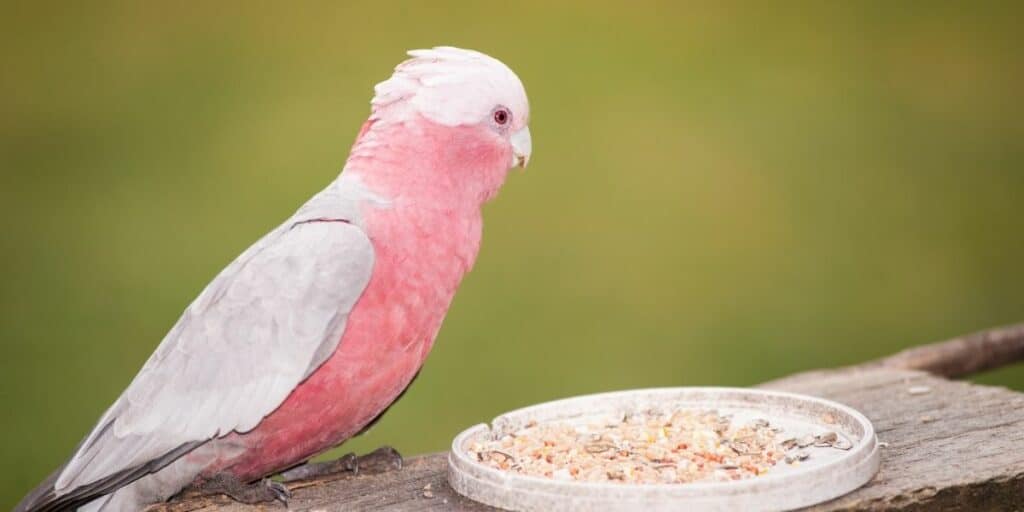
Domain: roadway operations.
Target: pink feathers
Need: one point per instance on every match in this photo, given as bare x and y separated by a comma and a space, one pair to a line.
431, 153
318, 327
433, 137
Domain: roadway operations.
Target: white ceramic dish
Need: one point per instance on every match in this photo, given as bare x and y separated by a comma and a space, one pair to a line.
827, 474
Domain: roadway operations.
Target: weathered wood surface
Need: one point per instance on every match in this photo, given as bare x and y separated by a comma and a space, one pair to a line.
966, 355
958, 447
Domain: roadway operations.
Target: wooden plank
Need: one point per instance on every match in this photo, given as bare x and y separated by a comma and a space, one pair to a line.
955, 447
402, 490
962, 356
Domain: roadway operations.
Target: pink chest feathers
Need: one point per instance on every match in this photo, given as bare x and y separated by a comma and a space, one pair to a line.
420, 261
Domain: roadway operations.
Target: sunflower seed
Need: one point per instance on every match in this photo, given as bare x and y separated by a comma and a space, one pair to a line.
825, 440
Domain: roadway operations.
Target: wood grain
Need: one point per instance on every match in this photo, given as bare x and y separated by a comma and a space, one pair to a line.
963, 356
957, 447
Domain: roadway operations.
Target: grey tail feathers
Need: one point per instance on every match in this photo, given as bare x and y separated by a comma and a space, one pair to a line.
45, 499
42, 497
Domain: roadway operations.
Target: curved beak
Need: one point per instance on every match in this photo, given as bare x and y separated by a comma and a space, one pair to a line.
521, 147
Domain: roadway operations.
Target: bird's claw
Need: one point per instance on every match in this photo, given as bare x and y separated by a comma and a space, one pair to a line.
380, 460
257, 492
280, 491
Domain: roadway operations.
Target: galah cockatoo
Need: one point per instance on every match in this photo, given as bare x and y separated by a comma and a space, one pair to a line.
312, 332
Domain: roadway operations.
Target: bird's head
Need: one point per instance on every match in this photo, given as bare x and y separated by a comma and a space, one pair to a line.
454, 111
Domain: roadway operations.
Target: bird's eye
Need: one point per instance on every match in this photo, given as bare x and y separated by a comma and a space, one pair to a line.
502, 116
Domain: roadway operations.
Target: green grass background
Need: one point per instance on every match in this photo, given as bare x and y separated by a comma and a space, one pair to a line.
720, 193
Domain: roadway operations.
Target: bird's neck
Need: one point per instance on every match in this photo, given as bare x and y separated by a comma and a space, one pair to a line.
427, 185
427, 166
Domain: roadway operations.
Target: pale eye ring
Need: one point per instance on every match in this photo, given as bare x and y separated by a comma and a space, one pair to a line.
502, 116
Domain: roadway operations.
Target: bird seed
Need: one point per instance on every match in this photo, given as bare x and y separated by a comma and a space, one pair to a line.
652, 447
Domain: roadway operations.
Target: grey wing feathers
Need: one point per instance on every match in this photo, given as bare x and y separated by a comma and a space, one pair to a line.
260, 328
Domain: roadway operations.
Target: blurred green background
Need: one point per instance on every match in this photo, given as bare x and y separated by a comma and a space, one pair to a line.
720, 193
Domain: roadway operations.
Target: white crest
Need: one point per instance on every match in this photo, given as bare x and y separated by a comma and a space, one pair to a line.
452, 86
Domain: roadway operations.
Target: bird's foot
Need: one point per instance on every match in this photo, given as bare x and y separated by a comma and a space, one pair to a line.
381, 460
257, 492
345, 464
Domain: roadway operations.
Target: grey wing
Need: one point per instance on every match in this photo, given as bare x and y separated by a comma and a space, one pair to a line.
260, 328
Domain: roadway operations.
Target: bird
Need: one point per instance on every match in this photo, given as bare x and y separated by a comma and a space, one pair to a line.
310, 334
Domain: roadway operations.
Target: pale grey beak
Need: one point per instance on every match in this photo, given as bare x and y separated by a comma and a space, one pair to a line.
521, 147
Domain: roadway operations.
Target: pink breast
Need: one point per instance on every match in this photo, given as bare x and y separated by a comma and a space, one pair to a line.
387, 337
